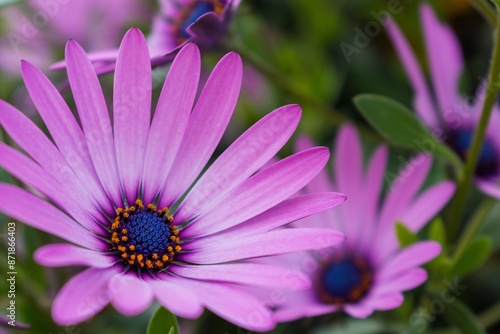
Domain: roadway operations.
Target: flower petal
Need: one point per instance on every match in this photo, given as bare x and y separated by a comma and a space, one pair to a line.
289, 210
64, 129
20, 204
82, 297
489, 187
260, 192
60, 255
170, 119
94, 116
238, 307
406, 281
423, 101
205, 127
132, 109
242, 159
386, 302
130, 294
410, 257
270, 243
255, 274
175, 297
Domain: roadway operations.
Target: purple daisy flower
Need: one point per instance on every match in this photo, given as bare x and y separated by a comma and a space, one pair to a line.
451, 117
369, 271
130, 198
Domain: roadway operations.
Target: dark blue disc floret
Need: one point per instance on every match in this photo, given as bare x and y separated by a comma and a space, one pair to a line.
489, 160
344, 280
144, 237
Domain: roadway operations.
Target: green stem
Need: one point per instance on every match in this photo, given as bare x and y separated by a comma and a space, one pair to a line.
486, 10
285, 85
492, 89
491, 316
473, 227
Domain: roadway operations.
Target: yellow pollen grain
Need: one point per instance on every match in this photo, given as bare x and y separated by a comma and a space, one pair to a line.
124, 255
126, 215
122, 249
178, 248
169, 249
124, 238
124, 231
131, 262
149, 264
159, 264
119, 211
132, 257
164, 258
131, 247
140, 257
155, 256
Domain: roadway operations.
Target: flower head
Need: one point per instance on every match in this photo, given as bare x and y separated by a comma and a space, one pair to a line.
369, 271
452, 117
129, 198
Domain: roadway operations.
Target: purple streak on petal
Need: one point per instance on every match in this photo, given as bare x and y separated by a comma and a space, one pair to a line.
423, 101
64, 129
290, 210
30, 173
321, 183
60, 255
94, 116
132, 110
84, 296
270, 243
242, 159
445, 58
254, 274
489, 187
32, 140
406, 281
175, 297
240, 308
260, 192
35, 212
410, 257
170, 119
205, 126
130, 295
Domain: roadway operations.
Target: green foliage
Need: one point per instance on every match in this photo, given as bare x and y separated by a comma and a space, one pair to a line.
163, 322
473, 257
405, 236
457, 313
400, 126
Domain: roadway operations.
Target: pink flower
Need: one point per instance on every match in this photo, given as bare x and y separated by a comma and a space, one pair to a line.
369, 271
450, 116
132, 203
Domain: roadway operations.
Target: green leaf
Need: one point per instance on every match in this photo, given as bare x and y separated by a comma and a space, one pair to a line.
400, 126
474, 256
163, 322
405, 236
437, 231
458, 314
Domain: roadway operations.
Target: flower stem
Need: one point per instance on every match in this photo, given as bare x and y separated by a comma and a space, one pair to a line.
473, 226
485, 9
492, 89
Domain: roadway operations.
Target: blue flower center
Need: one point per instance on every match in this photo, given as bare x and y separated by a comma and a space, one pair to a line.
194, 12
144, 238
488, 164
345, 280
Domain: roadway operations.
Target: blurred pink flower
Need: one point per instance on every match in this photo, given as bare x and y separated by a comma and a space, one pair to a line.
451, 117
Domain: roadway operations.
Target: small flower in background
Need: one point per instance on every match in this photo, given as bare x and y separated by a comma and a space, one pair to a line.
36, 29
125, 195
450, 116
369, 271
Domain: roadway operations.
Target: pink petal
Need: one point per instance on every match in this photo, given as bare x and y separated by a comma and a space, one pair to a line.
35, 212
260, 192
64, 129
270, 243
242, 159
410, 257
300, 304
285, 212
30, 173
406, 281
205, 126
491, 188
445, 58
60, 255
82, 297
422, 102
32, 140
360, 310
386, 302
94, 116
130, 295
237, 306
170, 119
263, 275
131, 109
